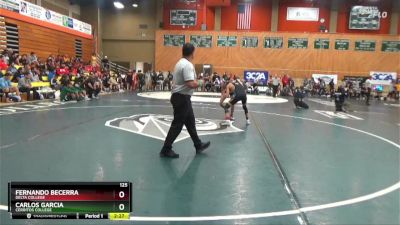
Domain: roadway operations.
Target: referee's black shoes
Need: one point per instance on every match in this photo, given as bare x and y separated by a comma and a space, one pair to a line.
168, 153
203, 146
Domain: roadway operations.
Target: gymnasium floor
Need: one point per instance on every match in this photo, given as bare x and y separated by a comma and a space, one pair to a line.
288, 167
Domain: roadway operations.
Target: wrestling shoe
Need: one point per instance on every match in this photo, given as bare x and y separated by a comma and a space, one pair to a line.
203, 146
226, 123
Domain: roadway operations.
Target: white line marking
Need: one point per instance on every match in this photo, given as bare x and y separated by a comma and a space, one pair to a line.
7, 146
351, 201
340, 115
300, 220
210, 97
394, 105
33, 138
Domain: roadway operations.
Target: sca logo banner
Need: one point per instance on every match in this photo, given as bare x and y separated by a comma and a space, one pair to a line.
256, 76
382, 77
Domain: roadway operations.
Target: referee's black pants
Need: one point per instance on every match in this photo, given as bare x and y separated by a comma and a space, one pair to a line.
183, 115
275, 90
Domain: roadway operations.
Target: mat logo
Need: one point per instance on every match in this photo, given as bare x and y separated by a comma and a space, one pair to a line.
338, 115
157, 126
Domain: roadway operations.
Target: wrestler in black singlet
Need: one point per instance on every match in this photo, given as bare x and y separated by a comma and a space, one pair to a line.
239, 94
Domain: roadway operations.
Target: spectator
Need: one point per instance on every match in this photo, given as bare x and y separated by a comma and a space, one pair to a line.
339, 96
129, 80
105, 63
153, 81
3, 63
25, 85
393, 92
93, 60
68, 93
113, 84
160, 80
54, 83
63, 70
299, 95
148, 80
142, 81
24, 60
225, 77
331, 87
368, 89
170, 77
200, 81
35, 77
275, 85
7, 88
92, 87
285, 81
33, 58
217, 84
135, 83
7, 54
106, 82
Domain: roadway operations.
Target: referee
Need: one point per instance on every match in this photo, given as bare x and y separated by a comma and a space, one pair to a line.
184, 84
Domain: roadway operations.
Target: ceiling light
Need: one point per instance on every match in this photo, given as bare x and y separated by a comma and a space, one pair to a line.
118, 5
135, 5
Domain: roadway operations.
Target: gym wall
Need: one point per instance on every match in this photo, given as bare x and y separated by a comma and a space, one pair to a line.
296, 62
43, 40
128, 35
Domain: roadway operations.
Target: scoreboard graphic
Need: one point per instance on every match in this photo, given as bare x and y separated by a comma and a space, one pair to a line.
70, 200
364, 18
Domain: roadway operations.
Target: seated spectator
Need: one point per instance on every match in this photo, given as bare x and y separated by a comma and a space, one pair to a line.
80, 81
55, 83
113, 84
68, 93
106, 83
63, 70
299, 95
93, 60
35, 76
92, 87
13, 70
33, 58
24, 60
25, 85
121, 80
7, 88
3, 64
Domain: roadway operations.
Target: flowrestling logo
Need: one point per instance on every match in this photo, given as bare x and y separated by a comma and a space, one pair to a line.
157, 126
256, 76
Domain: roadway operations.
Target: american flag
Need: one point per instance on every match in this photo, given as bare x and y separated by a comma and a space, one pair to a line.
244, 16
